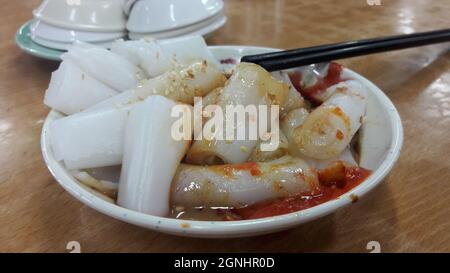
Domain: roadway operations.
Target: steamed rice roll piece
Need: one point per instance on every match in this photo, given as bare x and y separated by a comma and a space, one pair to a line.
237, 185
90, 140
145, 53
71, 90
328, 130
180, 84
156, 57
104, 65
151, 156
249, 85
292, 122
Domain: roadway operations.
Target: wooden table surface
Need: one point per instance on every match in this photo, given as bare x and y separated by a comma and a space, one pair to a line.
409, 211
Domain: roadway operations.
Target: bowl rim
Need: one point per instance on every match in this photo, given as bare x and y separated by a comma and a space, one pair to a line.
229, 229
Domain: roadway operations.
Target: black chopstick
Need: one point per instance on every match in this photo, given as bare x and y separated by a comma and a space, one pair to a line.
305, 56
314, 49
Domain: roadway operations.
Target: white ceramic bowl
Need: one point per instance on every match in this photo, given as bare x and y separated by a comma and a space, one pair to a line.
51, 33
382, 137
202, 28
84, 15
162, 15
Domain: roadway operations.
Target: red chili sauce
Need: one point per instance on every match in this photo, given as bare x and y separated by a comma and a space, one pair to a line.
310, 93
334, 182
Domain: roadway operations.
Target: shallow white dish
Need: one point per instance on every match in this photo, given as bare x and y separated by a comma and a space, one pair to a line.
162, 15
84, 15
48, 32
382, 139
200, 29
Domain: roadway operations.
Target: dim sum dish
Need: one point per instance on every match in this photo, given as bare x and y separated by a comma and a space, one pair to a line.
328, 136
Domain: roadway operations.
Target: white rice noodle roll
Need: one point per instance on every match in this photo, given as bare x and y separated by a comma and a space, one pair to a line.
261, 156
151, 156
145, 53
186, 50
71, 90
156, 57
104, 65
294, 99
180, 84
90, 139
329, 129
249, 85
240, 185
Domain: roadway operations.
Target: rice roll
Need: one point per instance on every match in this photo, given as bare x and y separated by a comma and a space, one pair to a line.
90, 140
156, 57
237, 185
151, 157
249, 85
180, 84
106, 66
328, 130
145, 53
71, 90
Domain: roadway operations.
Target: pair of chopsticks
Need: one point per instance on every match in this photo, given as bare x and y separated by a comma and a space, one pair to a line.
305, 56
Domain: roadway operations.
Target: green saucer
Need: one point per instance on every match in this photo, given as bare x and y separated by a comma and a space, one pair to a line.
25, 43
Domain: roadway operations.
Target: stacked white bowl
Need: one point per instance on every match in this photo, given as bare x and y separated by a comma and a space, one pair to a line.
163, 19
58, 23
